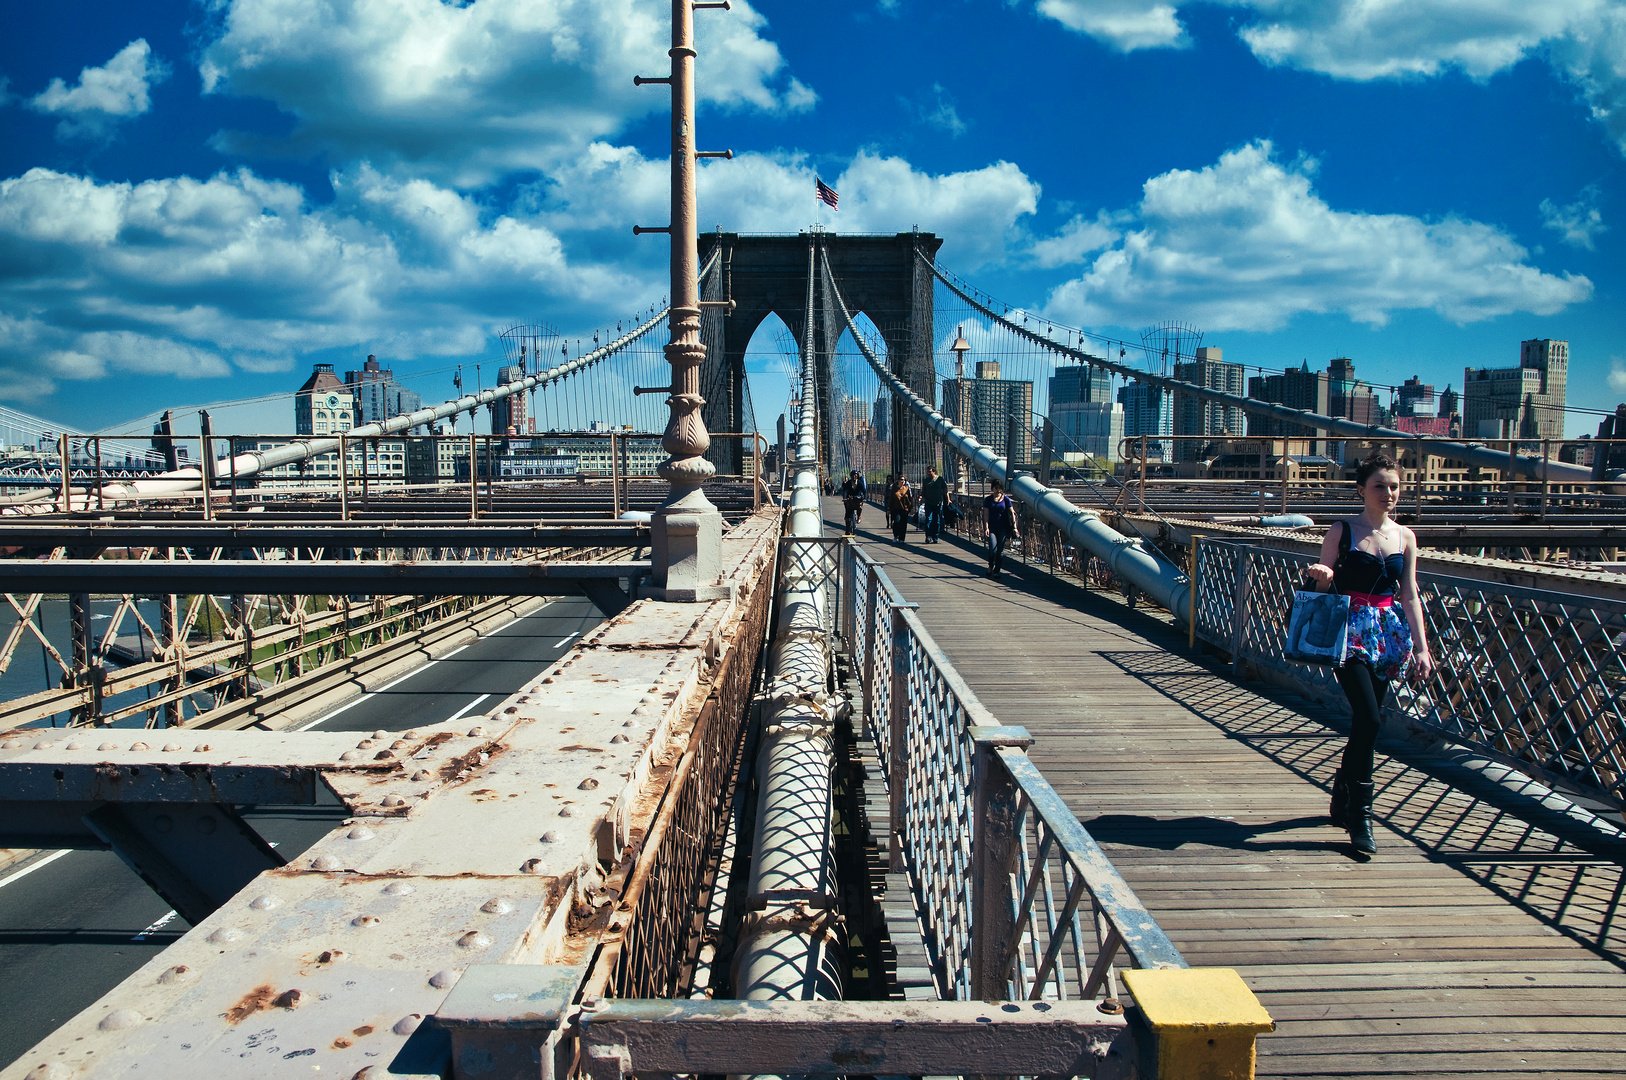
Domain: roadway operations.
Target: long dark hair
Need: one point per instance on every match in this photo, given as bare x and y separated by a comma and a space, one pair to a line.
1374, 462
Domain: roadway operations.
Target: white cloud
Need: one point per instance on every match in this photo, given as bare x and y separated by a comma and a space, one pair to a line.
1077, 239
116, 91
937, 110
172, 277
1617, 374
1126, 25
1577, 223
1246, 244
466, 92
978, 211
1584, 40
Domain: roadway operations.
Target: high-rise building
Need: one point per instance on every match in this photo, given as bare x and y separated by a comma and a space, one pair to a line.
986, 406
378, 397
1348, 397
1449, 402
1147, 412
508, 414
323, 405
1415, 398
1297, 388
1199, 416
1524, 402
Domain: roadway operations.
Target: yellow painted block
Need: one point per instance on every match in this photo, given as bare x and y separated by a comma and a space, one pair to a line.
1204, 1021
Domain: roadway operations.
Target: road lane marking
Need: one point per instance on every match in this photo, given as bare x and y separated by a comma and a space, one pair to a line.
561, 641
25, 871
459, 714
154, 928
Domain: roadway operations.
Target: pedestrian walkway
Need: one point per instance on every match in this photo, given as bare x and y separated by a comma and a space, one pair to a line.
1476, 942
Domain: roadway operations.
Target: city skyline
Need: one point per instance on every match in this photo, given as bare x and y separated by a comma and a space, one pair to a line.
195, 204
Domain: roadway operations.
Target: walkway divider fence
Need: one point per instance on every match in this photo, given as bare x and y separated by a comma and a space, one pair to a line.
1016, 899
1530, 677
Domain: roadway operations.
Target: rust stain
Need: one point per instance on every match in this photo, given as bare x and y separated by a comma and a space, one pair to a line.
579, 746
340, 1043
252, 1002
363, 1031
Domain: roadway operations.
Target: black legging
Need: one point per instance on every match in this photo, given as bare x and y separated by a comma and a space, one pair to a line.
1365, 692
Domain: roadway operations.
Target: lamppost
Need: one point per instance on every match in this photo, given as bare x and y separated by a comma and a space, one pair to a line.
954, 474
686, 532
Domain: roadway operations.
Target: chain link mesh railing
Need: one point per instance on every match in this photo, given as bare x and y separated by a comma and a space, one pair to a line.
1533, 677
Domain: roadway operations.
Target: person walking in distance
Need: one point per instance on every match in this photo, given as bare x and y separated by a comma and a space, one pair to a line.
1371, 559
999, 515
853, 493
933, 496
900, 504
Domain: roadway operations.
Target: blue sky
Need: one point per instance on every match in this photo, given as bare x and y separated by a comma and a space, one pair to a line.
200, 199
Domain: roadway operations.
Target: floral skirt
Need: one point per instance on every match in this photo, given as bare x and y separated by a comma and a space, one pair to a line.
1380, 637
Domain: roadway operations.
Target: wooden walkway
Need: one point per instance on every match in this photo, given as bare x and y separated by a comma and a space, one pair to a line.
1476, 943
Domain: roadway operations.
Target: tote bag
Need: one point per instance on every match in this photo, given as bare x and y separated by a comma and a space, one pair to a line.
1318, 628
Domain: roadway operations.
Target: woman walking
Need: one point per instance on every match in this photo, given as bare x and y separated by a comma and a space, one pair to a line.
1371, 559
900, 504
999, 516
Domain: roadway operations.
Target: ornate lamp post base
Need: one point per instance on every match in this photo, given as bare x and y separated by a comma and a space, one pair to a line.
688, 542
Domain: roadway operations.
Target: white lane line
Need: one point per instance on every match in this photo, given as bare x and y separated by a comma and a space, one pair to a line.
154, 928
421, 668
25, 871
459, 714
562, 640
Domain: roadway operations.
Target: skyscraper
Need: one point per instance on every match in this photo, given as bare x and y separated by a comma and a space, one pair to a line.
1147, 412
1198, 416
377, 396
1297, 388
509, 413
1086, 418
987, 405
1525, 402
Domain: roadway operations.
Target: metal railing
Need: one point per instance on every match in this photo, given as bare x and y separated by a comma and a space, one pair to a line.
1532, 677
1016, 900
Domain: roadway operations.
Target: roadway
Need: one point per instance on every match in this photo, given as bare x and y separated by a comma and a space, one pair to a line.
73, 924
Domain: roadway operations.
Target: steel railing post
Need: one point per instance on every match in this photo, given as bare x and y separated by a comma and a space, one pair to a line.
993, 849
849, 581
872, 589
344, 479
1239, 610
897, 758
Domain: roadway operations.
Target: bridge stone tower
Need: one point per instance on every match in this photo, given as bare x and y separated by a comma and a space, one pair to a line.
878, 275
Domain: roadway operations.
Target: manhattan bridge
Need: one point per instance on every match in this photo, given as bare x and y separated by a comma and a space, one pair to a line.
515, 775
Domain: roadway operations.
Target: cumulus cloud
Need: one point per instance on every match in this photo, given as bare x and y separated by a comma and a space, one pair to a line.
1584, 40
190, 278
463, 93
1577, 223
1076, 239
1247, 243
103, 96
1617, 374
979, 211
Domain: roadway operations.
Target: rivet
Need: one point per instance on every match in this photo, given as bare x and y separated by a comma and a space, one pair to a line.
587, 785
566, 811
476, 731
16, 744
533, 866
399, 888
547, 680
50, 1070
412, 734
180, 973
640, 710
76, 745
381, 734
444, 980
202, 748
225, 934
163, 823
351, 755
496, 906
326, 862
422, 775
171, 747
383, 755
360, 832
365, 920
120, 1019
264, 903
408, 1024
288, 999
550, 837
104, 746
618, 738
398, 744
629, 723
474, 940
511, 710
365, 744
139, 746
393, 800
45, 746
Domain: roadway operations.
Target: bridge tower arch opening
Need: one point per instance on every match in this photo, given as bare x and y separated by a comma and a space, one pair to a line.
880, 276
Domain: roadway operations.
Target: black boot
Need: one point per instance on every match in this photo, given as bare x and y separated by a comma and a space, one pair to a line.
1360, 818
1339, 810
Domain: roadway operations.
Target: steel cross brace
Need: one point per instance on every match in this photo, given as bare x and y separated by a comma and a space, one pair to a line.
508, 1021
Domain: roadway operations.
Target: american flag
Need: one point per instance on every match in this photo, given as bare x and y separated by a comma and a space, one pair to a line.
826, 193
